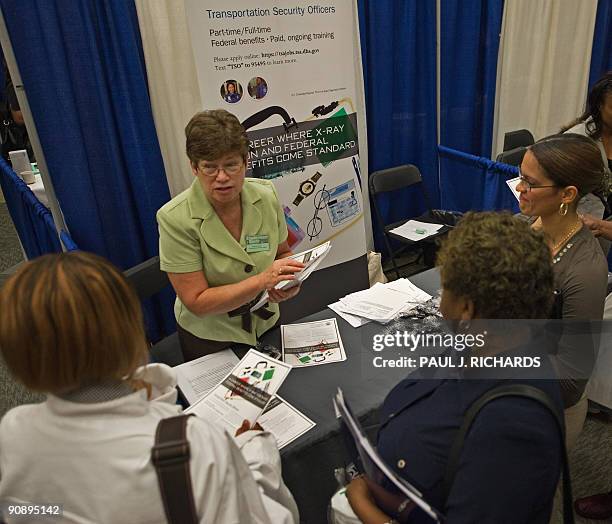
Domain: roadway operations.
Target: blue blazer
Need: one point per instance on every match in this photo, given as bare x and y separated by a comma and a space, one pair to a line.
511, 459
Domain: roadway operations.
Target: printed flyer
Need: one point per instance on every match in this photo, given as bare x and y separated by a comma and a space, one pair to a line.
244, 393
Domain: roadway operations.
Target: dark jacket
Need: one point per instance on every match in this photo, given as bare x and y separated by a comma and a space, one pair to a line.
511, 458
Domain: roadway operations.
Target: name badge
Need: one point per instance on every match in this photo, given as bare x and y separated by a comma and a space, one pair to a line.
257, 243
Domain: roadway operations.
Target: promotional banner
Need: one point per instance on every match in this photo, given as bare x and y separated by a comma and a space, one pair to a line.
288, 72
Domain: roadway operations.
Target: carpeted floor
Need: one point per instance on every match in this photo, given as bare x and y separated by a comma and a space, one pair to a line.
590, 465
10, 250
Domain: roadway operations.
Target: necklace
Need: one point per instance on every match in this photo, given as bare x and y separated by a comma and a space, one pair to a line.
572, 231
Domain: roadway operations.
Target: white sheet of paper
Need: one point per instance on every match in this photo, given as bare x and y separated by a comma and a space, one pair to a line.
312, 343
380, 303
198, 377
284, 421
312, 258
414, 295
353, 320
512, 183
415, 230
244, 393
383, 302
373, 464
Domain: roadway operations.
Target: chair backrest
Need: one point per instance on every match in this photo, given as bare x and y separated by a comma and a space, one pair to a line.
147, 278
394, 178
518, 138
514, 157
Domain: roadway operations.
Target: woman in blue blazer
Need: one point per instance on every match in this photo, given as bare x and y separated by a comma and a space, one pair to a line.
492, 267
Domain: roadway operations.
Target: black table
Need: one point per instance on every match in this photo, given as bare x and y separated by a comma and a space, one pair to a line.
308, 463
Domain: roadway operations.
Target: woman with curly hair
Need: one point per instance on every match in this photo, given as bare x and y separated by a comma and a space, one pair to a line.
492, 266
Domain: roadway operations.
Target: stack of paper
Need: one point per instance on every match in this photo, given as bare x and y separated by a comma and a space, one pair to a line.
382, 302
311, 259
415, 230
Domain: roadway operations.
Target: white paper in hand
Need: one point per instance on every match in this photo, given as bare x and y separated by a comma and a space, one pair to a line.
311, 258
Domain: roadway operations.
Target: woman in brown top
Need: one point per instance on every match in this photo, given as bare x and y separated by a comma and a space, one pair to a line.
555, 173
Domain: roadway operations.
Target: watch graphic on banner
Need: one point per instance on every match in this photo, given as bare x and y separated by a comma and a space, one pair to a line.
307, 188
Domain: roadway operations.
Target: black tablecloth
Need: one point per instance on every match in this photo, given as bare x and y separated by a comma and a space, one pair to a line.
308, 463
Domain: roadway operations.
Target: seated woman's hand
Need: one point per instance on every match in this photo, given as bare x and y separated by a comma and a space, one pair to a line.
279, 295
280, 270
246, 426
361, 500
358, 490
597, 226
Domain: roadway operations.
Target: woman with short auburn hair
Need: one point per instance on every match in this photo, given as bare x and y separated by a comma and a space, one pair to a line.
71, 326
223, 242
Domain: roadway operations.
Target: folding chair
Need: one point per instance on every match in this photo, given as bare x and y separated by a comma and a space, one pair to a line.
400, 177
518, 138
148, 280
513, 157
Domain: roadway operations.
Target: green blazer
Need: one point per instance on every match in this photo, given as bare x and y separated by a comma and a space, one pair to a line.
193, 238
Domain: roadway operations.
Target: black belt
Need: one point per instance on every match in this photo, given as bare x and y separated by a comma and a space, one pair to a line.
244, 312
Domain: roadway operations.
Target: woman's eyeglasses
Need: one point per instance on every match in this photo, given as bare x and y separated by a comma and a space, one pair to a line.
229, 169
529, 185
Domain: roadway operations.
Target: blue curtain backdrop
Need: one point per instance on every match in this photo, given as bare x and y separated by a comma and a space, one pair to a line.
398, 45
83, 72
469, 45
601, 57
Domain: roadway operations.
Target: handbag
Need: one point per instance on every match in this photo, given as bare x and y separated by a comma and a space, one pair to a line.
170, 456
13, 137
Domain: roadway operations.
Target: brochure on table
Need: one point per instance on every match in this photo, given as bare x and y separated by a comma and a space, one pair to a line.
312, 343
244, 393
311, 258
198, 377
375, 468
284, 421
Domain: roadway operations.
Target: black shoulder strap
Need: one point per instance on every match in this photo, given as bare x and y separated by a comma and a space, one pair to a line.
517, 390
170, 456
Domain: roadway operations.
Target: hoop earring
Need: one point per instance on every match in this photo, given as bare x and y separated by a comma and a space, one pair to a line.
563, 209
